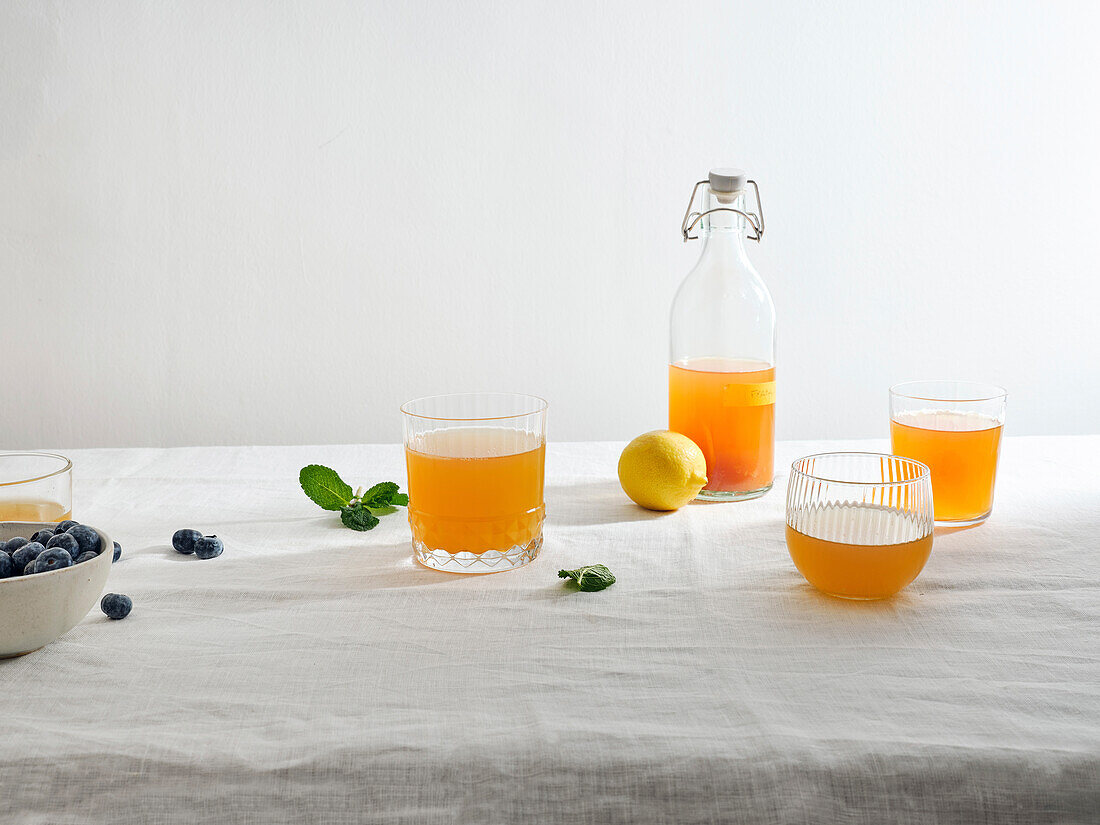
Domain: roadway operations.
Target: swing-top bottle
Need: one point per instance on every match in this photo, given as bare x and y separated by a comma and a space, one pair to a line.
721, 376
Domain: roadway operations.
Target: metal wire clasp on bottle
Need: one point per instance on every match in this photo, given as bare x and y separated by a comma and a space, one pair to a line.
755, 219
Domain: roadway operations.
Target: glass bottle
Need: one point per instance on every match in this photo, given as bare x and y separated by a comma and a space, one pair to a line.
721, 384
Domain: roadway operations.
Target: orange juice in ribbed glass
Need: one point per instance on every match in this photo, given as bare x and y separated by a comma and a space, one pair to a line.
859, 525
858, 569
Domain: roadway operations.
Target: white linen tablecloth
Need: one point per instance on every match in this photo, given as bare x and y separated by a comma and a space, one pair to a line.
314, 674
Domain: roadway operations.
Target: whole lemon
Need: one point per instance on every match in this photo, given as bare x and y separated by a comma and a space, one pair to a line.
662, 470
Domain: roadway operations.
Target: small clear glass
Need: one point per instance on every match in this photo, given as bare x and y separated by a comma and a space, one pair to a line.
476, 472
35, 487
955, 428
859, 525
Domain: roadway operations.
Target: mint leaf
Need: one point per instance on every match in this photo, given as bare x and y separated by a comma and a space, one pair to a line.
591, 578
358, 518
324, 487
400, 500
381, 494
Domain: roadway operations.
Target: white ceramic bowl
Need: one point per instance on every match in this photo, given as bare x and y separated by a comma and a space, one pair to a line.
35, 610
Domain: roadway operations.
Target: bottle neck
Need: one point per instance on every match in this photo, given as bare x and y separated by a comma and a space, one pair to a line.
723, 232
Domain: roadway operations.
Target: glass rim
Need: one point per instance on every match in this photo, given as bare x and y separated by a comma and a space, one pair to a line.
541, 405
925, 470
68, 465
997, 391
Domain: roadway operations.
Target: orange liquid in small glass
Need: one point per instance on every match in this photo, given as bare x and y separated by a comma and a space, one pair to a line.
33, 511
861, 571
961, 450
716, 403
475, 489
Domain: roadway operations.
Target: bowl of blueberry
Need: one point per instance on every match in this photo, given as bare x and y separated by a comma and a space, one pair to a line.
50, 577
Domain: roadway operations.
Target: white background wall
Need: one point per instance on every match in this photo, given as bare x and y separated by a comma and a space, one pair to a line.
229, 222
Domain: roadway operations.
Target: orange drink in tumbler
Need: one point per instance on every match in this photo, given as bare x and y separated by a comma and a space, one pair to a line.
955, 428
963, 459
727, 407
475, 489
37, 511
475, 466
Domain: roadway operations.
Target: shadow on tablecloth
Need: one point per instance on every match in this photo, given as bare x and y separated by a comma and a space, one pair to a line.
594, 502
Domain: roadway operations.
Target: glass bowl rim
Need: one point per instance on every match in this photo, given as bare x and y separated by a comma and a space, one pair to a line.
998, 391
541, 405
68, 466
925, 471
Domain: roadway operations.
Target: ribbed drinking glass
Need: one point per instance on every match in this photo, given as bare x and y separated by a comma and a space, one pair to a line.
859, 525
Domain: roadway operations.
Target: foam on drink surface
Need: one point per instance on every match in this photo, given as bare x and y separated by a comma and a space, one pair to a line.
474, 442
947, 421
869, 524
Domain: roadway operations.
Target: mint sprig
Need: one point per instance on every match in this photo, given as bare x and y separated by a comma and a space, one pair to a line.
589, 578
358, 510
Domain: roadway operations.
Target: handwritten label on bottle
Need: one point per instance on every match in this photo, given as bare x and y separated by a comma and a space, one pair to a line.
748, 395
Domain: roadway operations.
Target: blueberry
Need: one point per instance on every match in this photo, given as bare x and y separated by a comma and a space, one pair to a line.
209, 547
7, 566
27, 553
3, 547
17, 542
65, 542
30, 567
55, 559
86, 538
65, 525
83, 557
116, 606
118, 552
184, 541
42, 536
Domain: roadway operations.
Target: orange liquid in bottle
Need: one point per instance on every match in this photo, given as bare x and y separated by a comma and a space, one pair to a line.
858, 571
33, 511
727, 407
493, 501
961, 450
